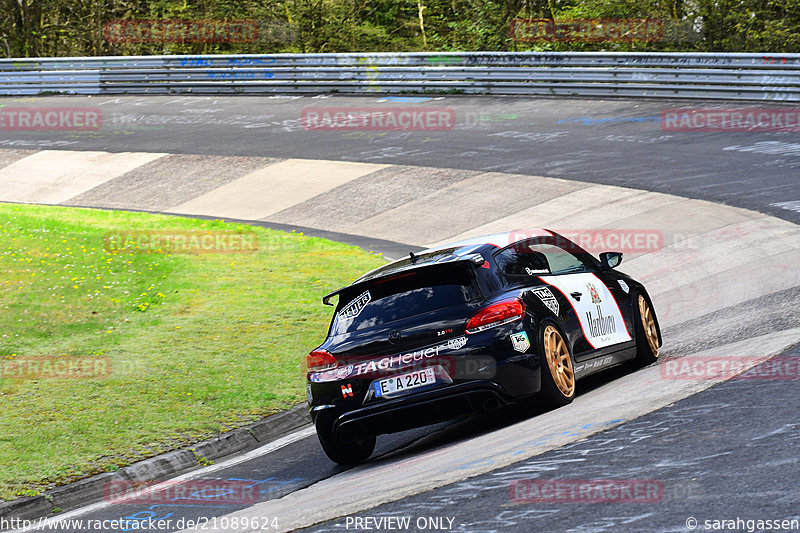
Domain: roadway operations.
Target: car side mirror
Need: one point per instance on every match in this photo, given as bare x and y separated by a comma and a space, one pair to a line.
611, 259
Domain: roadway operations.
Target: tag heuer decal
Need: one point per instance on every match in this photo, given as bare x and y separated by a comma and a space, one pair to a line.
354, 308
624, 286
457, 343
520, 342
595, 295
547, 299
344, 371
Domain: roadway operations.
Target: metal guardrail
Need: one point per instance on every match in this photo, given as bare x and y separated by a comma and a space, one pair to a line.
632, 74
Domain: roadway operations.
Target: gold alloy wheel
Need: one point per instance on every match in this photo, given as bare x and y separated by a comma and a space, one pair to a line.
559, 361
649, 325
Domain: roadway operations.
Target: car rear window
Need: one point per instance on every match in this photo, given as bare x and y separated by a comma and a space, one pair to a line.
404, 295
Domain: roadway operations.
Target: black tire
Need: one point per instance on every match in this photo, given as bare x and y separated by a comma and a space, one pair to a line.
648, 339
556, 390
348, 453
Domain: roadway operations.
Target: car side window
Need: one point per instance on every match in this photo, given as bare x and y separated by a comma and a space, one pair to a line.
521, 261
559, 260
536, 258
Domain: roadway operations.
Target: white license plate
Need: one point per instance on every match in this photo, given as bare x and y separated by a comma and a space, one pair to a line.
403, 382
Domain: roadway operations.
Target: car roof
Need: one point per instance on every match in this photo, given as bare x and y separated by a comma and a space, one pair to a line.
499, 240
463, 250
454, 251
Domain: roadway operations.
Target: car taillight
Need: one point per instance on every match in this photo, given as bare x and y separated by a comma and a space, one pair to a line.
495, 315
319, 360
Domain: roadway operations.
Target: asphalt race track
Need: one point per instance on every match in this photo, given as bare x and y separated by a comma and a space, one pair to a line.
685, 450
615, 142
715, 451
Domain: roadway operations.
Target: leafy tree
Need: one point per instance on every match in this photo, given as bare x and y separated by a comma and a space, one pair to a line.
36, 28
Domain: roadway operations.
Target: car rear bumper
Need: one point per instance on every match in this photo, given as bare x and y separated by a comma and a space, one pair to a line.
417, 410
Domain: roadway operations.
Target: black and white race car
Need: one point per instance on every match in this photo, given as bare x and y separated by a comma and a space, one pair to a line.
470, 327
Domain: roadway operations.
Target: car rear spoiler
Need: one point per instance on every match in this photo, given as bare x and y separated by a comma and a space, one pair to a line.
476, 259
327, 298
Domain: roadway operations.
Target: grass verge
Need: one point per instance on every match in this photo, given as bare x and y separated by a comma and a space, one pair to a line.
194, 344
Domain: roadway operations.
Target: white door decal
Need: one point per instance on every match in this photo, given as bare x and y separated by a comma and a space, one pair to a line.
597, 310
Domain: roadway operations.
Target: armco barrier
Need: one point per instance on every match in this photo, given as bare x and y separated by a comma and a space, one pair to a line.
632, 74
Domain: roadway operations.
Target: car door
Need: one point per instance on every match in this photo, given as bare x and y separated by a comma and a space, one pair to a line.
593, 302
621, 291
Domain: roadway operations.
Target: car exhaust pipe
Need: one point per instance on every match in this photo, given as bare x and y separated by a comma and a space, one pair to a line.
347, 436
491, 404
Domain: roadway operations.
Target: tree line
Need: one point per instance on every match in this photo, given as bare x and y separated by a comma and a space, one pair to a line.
45, 28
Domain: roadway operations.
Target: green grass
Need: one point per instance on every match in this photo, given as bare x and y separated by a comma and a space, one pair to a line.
198, 343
